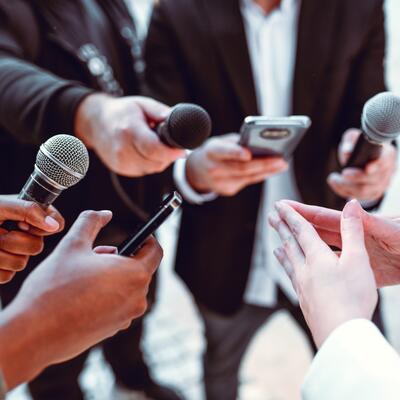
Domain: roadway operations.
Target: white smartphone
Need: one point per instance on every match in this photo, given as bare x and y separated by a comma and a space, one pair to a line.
267, 136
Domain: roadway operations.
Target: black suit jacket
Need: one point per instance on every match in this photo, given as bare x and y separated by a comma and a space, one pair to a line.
197, 51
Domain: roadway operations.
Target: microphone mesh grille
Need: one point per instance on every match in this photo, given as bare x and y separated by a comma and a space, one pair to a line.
189, 125
69, 154
381, 117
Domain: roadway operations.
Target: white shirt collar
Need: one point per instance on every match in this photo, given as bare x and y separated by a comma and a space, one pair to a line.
286, 6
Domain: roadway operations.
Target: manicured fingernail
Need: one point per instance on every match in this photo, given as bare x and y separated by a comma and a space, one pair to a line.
351, 210
347, 147
51, 223
106, 213
334, 177
23, 226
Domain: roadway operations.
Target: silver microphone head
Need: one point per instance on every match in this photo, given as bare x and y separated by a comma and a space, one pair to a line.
381, 117
63, 159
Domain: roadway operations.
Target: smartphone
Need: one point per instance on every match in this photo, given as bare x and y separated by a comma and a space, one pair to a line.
133, 244
267, 136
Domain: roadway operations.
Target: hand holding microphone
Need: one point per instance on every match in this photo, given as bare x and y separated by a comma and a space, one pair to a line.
122, 131
368, 156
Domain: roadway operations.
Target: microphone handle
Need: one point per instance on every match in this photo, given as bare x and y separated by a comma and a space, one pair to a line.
364, 152
37, 189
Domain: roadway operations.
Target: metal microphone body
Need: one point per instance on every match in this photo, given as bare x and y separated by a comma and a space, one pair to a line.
187, 127
60, 163
380, 124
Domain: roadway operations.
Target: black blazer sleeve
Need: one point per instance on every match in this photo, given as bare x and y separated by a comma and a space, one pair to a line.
164, 72
34, 104
368, 76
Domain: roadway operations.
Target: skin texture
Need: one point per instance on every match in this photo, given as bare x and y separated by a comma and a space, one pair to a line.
224, 167
76, 298
120, 131
382, 238
34, 224
369, 184
332, 288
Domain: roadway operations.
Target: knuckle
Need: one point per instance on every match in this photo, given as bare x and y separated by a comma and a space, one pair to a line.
139, 307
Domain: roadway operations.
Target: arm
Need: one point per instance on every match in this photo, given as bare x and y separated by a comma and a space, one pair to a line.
366, 80
356, 361
34, 103
65, 318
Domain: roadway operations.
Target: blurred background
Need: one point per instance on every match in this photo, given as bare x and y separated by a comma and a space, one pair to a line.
267, 373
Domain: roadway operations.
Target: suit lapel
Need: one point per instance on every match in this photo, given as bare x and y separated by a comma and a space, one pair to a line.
314, 46
227, 26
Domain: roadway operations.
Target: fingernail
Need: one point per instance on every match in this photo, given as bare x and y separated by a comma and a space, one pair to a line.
351, 210
347, 147
334, 177
107, 213
351, 172
51, 223
373, 168
23, 226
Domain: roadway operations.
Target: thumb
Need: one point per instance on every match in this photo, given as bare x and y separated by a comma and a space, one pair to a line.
154, 110
352, 230
347, 145
86, 228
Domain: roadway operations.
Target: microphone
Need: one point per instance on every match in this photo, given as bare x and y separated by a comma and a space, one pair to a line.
187, 127
60, 163
380, 124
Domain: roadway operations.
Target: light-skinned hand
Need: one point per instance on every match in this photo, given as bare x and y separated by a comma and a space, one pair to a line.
224, 167
369, 184
332, 288
120, 131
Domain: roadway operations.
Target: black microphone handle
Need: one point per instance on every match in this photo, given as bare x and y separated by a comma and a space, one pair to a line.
37, 189
364, 152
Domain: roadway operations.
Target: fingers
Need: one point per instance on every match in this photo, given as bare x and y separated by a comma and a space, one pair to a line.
86, 228
370, 183
154, 110
266, 166
21, 243
290, 245
227, 148
52, 212
304, 233
12, 262
27, 212
324, 218
347, 145
353, 246
6, 276
150, 255
281, 256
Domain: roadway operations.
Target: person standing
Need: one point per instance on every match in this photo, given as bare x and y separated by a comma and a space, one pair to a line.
261, 57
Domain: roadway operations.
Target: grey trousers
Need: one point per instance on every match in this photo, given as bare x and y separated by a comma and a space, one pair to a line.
227, 340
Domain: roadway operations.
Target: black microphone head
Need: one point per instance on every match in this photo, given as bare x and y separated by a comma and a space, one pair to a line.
381, 117
63, 159
187, 127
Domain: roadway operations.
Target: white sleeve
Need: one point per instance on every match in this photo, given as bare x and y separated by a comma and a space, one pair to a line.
355, 363
184, 187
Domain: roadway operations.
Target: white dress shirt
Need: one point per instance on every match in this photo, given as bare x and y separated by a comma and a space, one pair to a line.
355, 363
272, 43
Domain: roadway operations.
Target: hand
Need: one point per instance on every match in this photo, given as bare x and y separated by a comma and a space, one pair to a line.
119, 130
17, 246
382, 238
369, 184
332, 289
76, 298
224, 167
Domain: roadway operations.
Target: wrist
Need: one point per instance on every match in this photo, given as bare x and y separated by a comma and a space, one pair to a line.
193, 178
87, 114
21, 355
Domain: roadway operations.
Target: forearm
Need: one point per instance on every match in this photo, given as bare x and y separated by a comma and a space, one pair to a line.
21, 345
34, 103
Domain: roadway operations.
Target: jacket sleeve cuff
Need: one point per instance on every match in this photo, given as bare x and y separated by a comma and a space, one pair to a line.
184, 187
66, 103
356, 361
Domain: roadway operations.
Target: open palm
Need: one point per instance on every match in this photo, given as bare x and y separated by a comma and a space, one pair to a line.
382, 238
